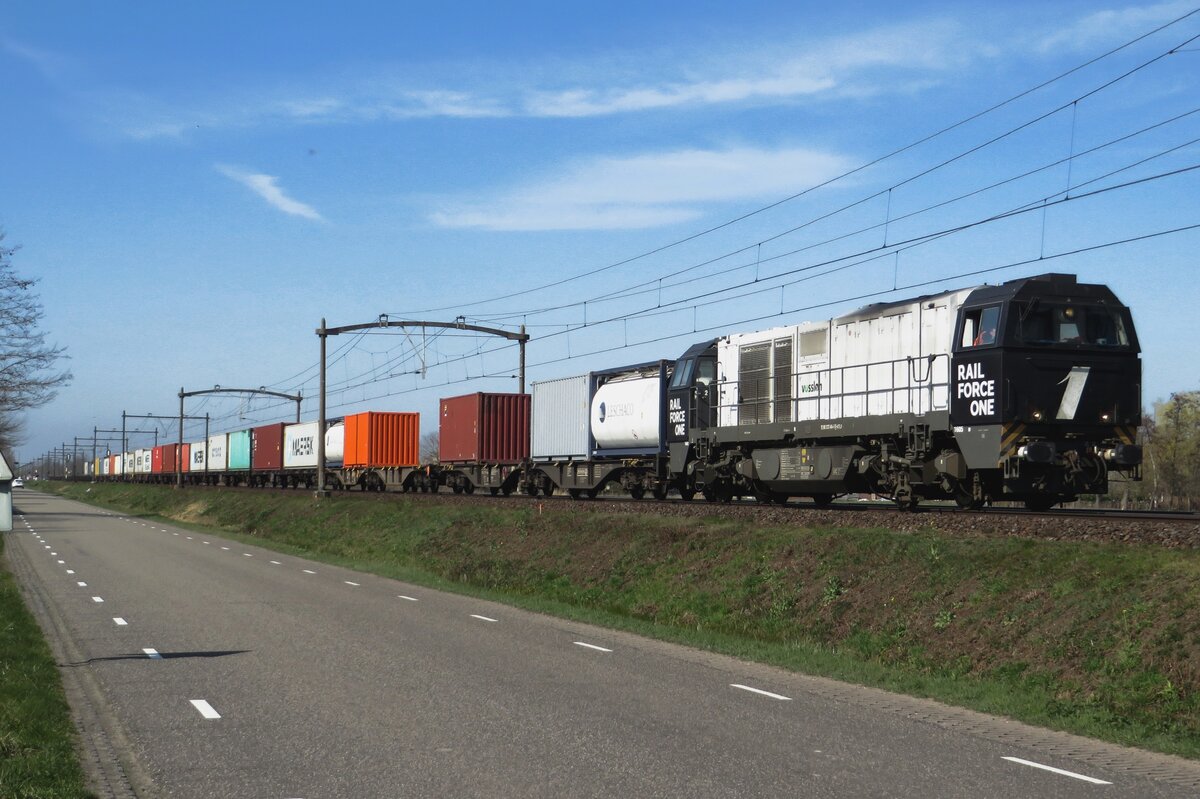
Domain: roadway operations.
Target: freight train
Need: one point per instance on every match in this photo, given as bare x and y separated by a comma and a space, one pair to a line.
1028, 391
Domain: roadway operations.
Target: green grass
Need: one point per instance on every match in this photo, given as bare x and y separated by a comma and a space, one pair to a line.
37, 755
1098, 639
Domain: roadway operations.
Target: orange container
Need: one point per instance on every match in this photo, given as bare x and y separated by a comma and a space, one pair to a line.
378, 438
187, 457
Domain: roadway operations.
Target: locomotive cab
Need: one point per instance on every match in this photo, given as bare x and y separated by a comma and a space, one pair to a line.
1046, 389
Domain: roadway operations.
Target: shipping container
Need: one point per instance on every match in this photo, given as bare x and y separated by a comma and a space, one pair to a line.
629, 409
156, 460
197, 452
484, 428
266, 447
141, 461
300, 445
239, 450
218, 452
186, 458
170, 458
383, 439
128, 463
560, 424
105, 463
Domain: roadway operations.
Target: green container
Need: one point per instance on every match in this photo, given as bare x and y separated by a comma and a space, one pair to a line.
239, 451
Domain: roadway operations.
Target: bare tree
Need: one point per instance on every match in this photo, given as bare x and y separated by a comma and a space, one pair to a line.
429, 448
28, 365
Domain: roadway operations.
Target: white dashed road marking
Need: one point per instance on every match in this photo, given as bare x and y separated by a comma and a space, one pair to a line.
592, 646
409, 598
308, 571
760, 691
247, 554
481, 618
347, 582
225, 548
97, 599
117, 620
70, 571
276, 563
152, 654
205, 709
1063, 772
81, 584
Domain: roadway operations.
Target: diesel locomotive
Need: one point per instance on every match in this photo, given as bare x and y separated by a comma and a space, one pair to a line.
1027, 391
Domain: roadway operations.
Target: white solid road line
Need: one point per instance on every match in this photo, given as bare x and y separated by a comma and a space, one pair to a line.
308, 571
409, 598
152, 654
276, 563
1063, 772
205, 709
97, 599
117, 620
592, 646
760, 691
347, 582
481, 618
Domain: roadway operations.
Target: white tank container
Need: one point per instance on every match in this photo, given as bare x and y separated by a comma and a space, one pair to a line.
627, 413
218, 452
300, 445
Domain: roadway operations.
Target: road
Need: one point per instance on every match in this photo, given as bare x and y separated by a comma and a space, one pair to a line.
201, 667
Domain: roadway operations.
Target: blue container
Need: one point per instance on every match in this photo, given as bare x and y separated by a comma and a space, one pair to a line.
239, 451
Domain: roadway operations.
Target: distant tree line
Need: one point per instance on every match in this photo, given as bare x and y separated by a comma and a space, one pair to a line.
1170, 440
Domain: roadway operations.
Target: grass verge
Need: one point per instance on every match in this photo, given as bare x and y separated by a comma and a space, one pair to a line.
1098, 639
37, 755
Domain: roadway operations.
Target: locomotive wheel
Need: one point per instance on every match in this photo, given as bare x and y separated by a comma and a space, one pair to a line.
966, 500
686, 494
659, 493
709, 494
637, 492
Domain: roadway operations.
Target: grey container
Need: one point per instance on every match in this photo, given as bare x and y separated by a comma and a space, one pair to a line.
561, 427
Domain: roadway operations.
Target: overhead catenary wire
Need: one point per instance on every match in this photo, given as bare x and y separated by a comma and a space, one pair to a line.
849, 173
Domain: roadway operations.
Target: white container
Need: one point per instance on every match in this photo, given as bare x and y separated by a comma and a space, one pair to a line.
300, 445
196, 460
218, 452
127, 463
141, 461
105, 463
559, 424
627, 413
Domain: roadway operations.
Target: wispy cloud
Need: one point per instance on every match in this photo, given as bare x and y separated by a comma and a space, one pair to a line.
855, 65
49, 63
1113, 25
644, 190
267, 187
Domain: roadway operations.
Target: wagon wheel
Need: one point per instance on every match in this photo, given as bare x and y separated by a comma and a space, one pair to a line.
456, 488
548, 489
469, 488
686, 494
494, 491
822, 500
1041, 503
574, 493
659, 493
637, 492
591, 493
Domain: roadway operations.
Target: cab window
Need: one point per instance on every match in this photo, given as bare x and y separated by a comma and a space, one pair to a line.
1051, 323
980, 326
683, 373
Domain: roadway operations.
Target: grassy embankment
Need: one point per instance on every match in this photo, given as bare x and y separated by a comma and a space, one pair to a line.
37, 757
1098, 639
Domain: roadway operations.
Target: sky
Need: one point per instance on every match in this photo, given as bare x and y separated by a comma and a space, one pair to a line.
198, 185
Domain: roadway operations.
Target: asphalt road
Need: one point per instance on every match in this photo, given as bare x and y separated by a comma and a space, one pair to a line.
200, 667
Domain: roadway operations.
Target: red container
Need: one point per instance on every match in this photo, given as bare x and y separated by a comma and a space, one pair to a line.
170, 460
484, 428
156, 460
266, 447
187, 457
382, 439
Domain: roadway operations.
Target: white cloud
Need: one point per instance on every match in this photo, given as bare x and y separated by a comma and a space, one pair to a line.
770, 72
267, 187
1114, 25
646, 190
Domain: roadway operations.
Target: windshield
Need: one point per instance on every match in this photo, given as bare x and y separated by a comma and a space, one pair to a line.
1045, 323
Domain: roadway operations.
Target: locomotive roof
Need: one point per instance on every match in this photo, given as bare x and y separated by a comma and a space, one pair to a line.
1049, 285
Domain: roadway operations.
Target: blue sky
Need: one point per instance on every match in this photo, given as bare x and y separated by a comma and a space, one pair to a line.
197, 185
